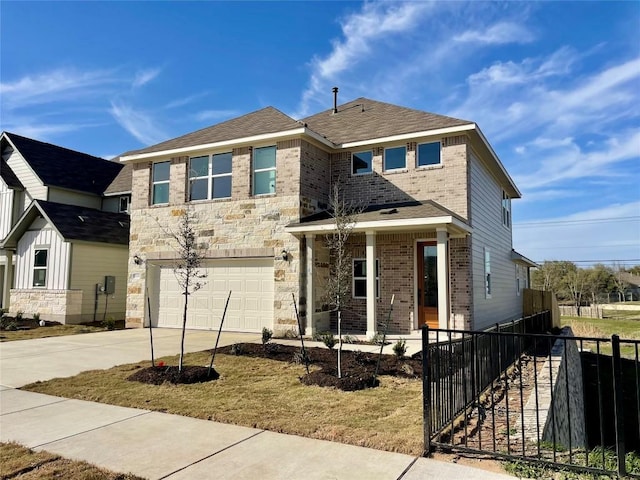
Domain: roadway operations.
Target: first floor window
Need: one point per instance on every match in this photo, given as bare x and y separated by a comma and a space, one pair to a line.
362, 162
124, 204
264, 170
160, 190
40, 267
428, 154
395, 158
360, 278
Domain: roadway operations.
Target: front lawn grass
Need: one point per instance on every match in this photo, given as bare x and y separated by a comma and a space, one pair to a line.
265, 394
23, 463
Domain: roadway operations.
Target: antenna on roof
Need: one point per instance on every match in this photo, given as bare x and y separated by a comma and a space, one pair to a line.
335, 99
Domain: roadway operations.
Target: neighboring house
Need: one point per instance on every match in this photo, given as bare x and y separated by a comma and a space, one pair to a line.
436, 230
57, 245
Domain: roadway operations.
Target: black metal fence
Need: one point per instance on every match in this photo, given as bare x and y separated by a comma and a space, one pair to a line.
512, 391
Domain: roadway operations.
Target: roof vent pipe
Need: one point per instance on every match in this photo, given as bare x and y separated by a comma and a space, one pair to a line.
335, 99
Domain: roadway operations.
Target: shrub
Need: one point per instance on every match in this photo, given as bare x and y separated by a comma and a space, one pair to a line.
400, 348
349, 339
237, 349
109, 323
329, 340
36, 317
19, 315
266, 335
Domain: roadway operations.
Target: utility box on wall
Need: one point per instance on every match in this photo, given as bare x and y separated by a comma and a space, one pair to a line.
109, 285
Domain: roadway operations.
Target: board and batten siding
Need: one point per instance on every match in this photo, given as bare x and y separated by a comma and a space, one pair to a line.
57, 258
6, 209
490, 234
90, 263
31, 182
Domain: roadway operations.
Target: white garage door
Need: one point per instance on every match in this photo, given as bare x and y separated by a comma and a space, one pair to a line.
251, 305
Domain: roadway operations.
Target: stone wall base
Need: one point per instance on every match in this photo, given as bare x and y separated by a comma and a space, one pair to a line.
63, 306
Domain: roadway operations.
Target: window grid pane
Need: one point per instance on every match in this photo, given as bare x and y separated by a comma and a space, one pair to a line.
264, 158
222, 186
199, 189
221, 163
161, 171
360, 278
161, 193
395, 158
428, 154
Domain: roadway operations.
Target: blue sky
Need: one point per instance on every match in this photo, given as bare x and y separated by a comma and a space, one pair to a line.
555, 87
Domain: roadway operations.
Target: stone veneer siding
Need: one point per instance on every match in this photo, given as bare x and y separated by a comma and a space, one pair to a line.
397, 256
446, 184
64, 306
244, 226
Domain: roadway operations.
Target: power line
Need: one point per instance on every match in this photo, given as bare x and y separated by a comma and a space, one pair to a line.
629, 261
577, 222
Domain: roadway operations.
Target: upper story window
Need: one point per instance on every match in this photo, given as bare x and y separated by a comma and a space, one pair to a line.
506, 209
395, 158
359, 289
362, 162
264, 170
160, 189
210, 176
428, 154
40, 267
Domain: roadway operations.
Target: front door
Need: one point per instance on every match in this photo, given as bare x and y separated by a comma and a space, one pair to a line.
427, 284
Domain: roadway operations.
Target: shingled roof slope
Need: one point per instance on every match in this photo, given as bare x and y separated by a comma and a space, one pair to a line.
267, 120
87, 224
365, 119
9, 177
122, 182
61, 167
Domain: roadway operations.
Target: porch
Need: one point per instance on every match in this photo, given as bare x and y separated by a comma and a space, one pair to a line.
417, 253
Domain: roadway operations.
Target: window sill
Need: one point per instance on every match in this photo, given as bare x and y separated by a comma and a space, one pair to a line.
430, 167
361, 174
396, 170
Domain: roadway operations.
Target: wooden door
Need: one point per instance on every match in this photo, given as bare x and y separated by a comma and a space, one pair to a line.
427, 284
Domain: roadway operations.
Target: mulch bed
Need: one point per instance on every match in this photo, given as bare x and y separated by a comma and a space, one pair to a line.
358, 368
158, 375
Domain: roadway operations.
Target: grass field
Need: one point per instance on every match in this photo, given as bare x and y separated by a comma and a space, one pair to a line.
627, 328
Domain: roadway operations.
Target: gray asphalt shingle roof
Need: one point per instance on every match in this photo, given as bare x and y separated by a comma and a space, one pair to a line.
64, 168
365, 119
267, 120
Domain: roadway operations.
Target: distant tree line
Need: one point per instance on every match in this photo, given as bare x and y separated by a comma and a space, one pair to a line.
582, 286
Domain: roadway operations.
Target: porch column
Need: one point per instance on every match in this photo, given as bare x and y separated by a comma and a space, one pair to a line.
443, 279
371, 284
6, 281
310, 327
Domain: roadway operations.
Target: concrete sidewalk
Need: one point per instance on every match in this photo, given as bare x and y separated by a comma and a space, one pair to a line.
158, 445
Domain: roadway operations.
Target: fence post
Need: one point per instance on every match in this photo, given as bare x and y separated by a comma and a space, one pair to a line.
618, 404
426, 391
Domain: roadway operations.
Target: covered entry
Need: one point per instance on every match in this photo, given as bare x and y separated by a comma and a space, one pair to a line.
251, 305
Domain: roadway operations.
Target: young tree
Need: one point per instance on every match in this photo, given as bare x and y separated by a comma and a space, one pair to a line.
619, 281
597, 281
187, 268
344, 214
576, 280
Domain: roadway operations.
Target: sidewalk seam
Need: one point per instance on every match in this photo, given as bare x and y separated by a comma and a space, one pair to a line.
35, 406
91, 429
212, 455
406, 470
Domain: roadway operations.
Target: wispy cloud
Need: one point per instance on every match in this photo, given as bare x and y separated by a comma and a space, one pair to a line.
143, 77
139, 124
181, 102
360, 32
500, 33
55, 86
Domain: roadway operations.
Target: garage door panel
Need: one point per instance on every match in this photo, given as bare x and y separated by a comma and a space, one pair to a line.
250, 307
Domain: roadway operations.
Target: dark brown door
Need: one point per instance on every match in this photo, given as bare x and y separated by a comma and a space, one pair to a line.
427, 284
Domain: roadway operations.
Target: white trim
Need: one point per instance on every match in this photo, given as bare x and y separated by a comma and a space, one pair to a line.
409, 136
429, 165
353, 174
192, 150
34, 267
353, 278
379, 225
255, 170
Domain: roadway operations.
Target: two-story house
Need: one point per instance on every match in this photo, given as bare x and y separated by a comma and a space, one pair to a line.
435, 231
63, 244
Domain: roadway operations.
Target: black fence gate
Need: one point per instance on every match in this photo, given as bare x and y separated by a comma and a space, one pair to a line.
515, 392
